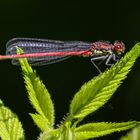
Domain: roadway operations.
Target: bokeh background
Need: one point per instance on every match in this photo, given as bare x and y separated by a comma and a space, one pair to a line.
88, 20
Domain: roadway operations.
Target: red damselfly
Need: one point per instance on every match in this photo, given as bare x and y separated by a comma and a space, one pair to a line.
42, 51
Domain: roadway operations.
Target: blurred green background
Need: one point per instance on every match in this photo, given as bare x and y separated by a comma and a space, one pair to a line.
89, 20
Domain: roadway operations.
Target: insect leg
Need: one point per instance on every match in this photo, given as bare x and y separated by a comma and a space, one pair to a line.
115, 58
98, 58
109, 58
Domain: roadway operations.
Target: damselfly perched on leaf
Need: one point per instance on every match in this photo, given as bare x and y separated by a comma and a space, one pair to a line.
43, 51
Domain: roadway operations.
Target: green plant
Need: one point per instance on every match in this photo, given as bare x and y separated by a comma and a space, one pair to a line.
92, 95
134, 134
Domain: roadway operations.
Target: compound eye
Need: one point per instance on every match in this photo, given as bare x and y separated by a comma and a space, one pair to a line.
118, 48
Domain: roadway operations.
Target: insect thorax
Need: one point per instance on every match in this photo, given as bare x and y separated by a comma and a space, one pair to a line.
101, 52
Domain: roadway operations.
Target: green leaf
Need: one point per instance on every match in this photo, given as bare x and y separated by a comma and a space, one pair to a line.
93, 130
50, 135
38, 94
41, 122
10, 126
99, 90
134, 134
67, 132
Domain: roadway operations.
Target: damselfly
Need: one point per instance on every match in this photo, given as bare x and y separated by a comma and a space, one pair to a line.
42, 51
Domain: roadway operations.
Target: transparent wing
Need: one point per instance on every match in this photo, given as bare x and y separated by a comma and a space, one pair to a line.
30, 45
42, 60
